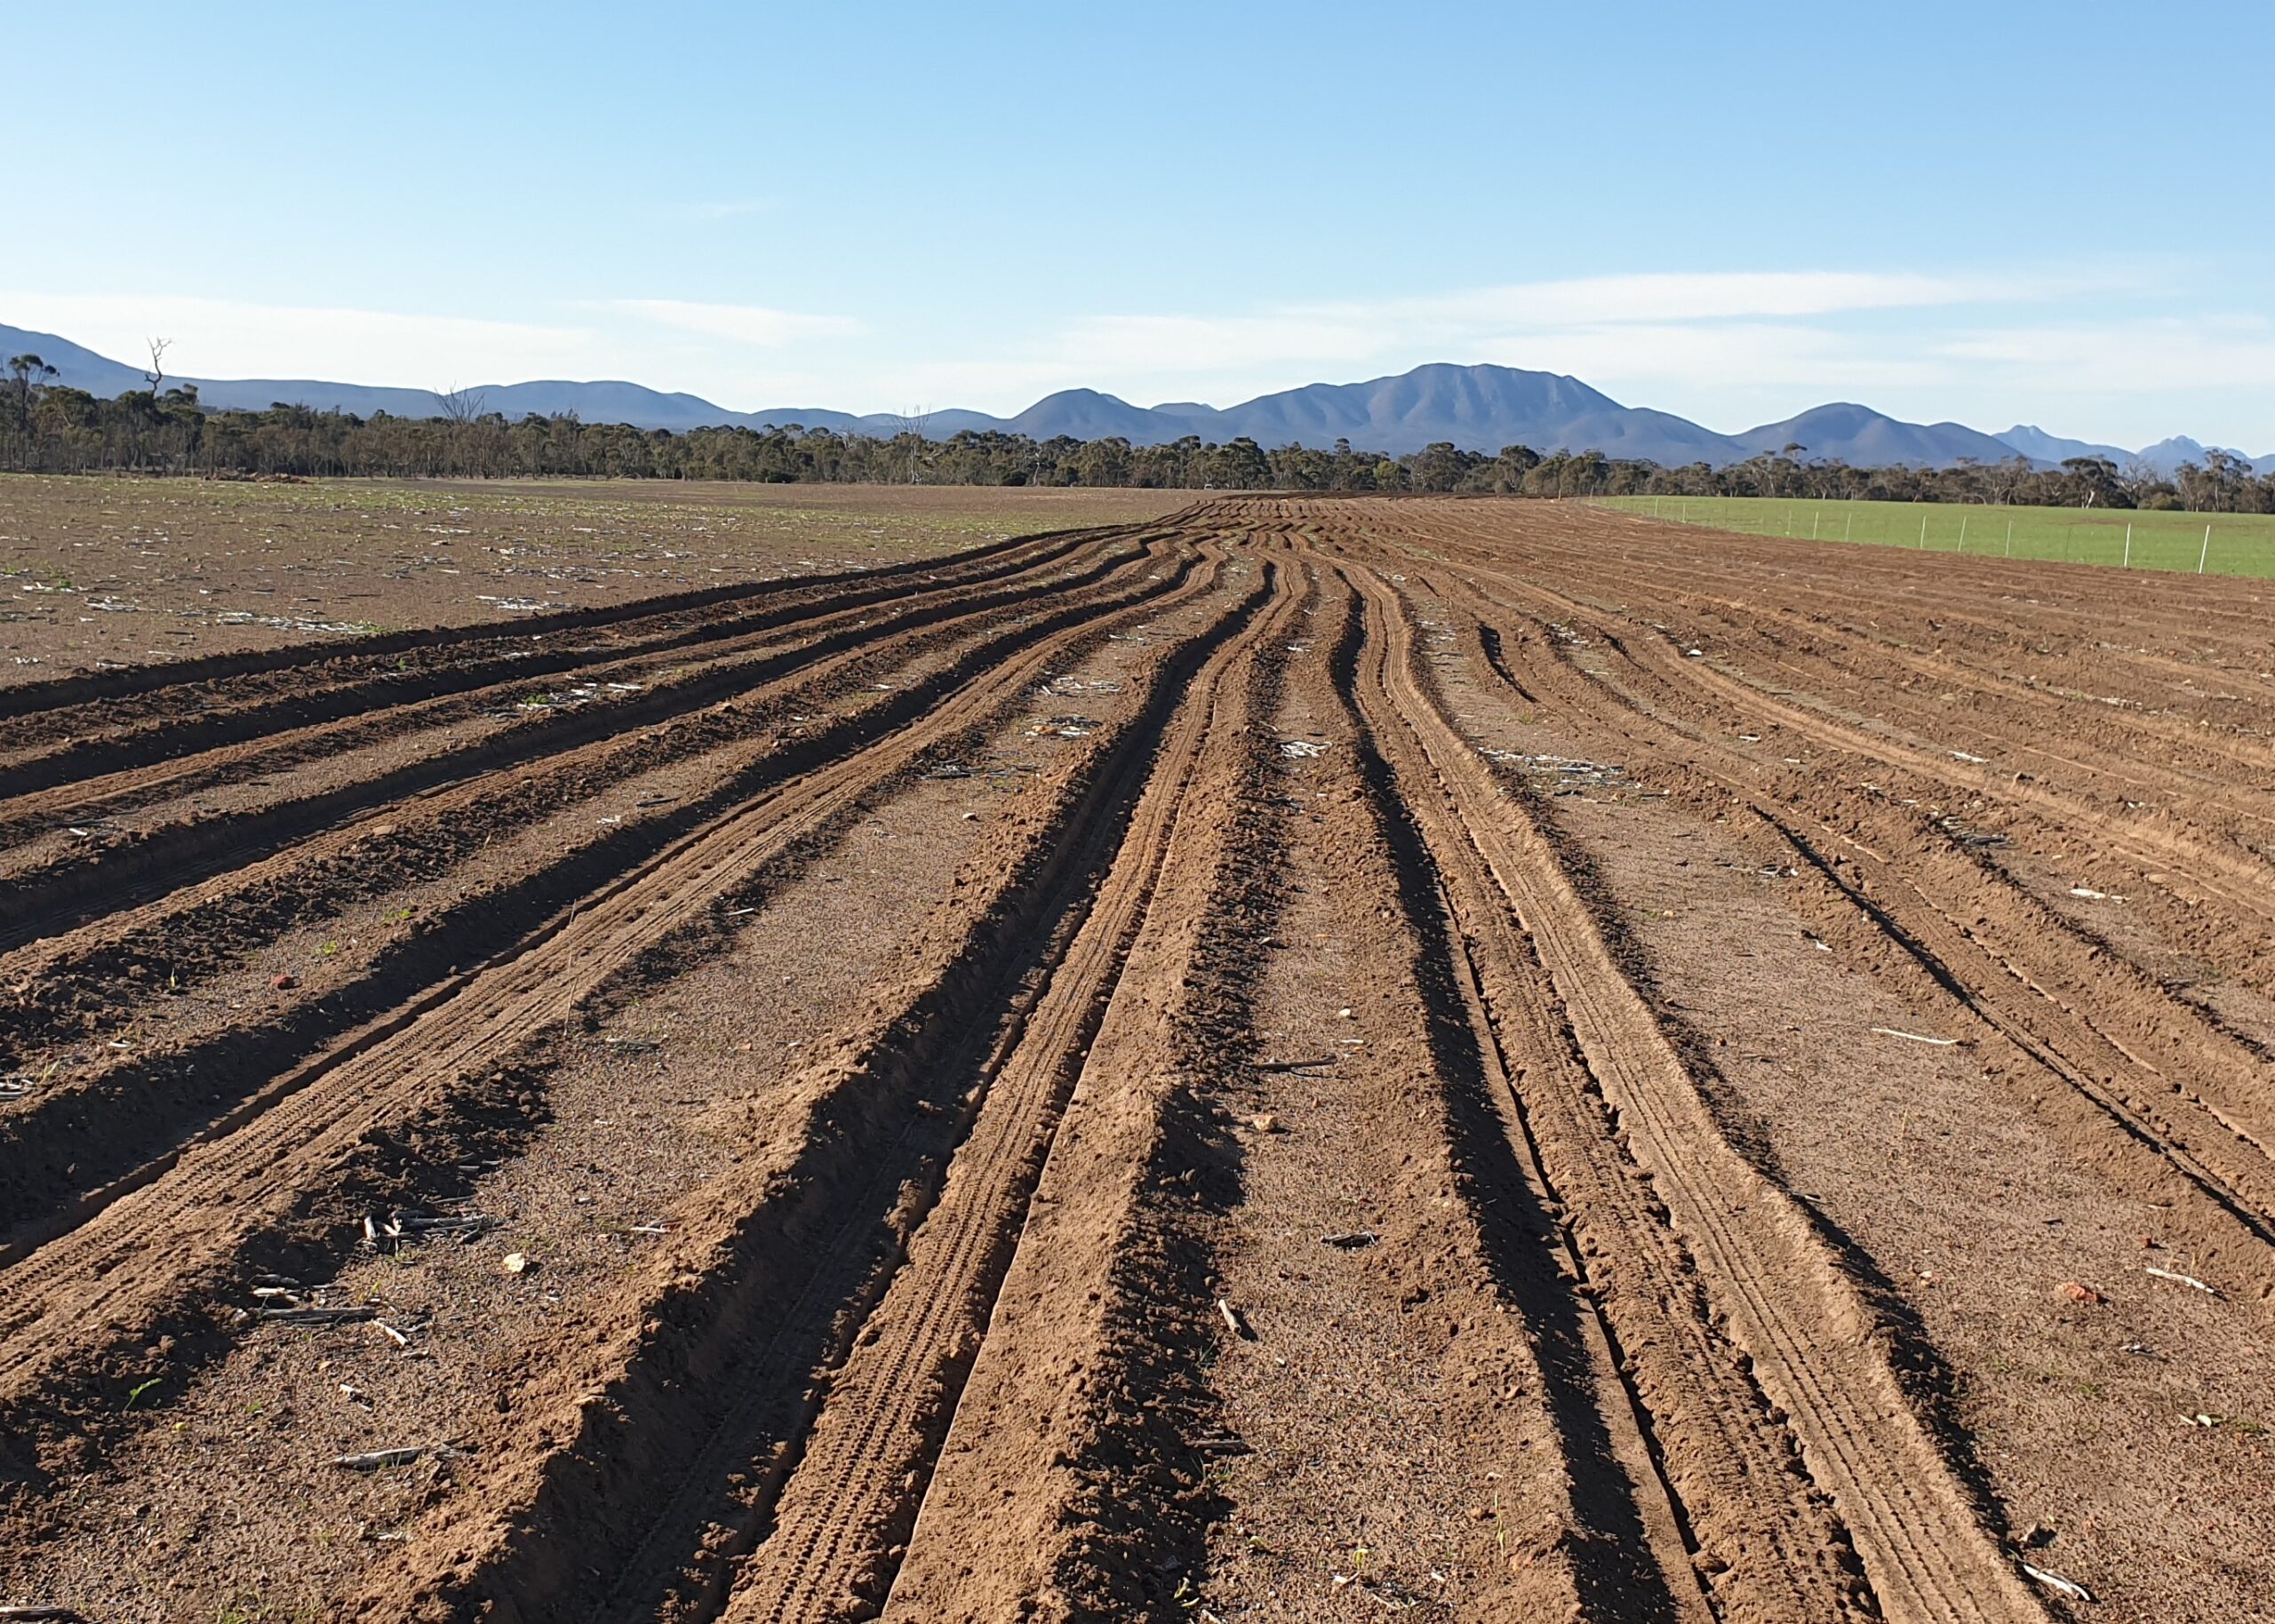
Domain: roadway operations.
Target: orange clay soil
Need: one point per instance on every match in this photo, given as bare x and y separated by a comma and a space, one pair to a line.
1305, 1058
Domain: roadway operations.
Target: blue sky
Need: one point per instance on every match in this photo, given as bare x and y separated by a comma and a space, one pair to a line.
2051, 213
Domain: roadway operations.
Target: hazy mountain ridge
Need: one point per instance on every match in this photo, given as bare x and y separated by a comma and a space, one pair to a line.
2165, 456
1478, 408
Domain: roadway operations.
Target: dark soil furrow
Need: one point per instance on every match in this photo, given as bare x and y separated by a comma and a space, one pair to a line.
445, 648
1788, 1302
75, 888
2168, 1076
854, 1495
794, 1247
94, 979
304, 1122
95, 796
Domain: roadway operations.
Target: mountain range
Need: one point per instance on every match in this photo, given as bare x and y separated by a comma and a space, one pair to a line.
1477, 407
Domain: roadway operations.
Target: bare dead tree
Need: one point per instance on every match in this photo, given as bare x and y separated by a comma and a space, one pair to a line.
909, 435
156, 375
462, 406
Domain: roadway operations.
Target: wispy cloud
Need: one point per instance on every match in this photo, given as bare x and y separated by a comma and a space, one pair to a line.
235, 339
743, 323
1466, 323
1727, 348
1217, 342
665, 344
2168, 353
1715, 296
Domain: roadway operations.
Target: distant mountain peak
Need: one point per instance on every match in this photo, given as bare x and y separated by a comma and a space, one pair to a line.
1482, 407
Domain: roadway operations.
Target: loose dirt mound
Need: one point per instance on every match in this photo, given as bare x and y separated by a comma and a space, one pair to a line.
1313, 1058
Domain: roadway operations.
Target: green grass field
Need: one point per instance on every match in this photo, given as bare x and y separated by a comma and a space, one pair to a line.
2242, 544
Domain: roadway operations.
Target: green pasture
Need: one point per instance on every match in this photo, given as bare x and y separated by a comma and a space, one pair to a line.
2241, 544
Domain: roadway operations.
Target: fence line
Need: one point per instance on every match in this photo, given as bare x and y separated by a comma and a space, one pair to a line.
2062, 534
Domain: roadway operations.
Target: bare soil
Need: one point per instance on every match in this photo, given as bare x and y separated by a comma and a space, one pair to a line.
1295, 1059
103, 572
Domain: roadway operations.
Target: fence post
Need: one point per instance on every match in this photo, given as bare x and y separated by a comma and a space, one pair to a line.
2128, 564
2206, 553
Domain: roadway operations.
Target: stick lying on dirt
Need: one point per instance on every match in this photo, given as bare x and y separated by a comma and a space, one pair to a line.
2167, 1274
315, 1316
1294, 1065
472, 1223
2055, 1581
377, 1460
1234, 1319
1941, 1043
1350, 1240
1222, 1443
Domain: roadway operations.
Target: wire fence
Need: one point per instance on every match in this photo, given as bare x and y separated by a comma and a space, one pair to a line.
2205, 544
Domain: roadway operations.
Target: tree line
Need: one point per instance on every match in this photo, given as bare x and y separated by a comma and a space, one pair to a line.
50, 428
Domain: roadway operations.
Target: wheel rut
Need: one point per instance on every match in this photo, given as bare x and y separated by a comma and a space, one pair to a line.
812, 1223
1802, 1327
50, 896
245, 1170
851, 1498
84, 1124
2198, 1105
1136, 1073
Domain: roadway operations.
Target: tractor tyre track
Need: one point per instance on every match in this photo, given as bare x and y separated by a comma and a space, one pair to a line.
1805, 1329
70, 1297
813, 1223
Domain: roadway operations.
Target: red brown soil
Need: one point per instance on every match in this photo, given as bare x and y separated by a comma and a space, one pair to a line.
103, 572
1305, 1058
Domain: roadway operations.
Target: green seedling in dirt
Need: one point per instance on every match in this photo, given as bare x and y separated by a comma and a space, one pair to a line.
134, 1394
329, 949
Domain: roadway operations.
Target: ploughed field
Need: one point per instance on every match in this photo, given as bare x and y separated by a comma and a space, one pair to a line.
1307, 1058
